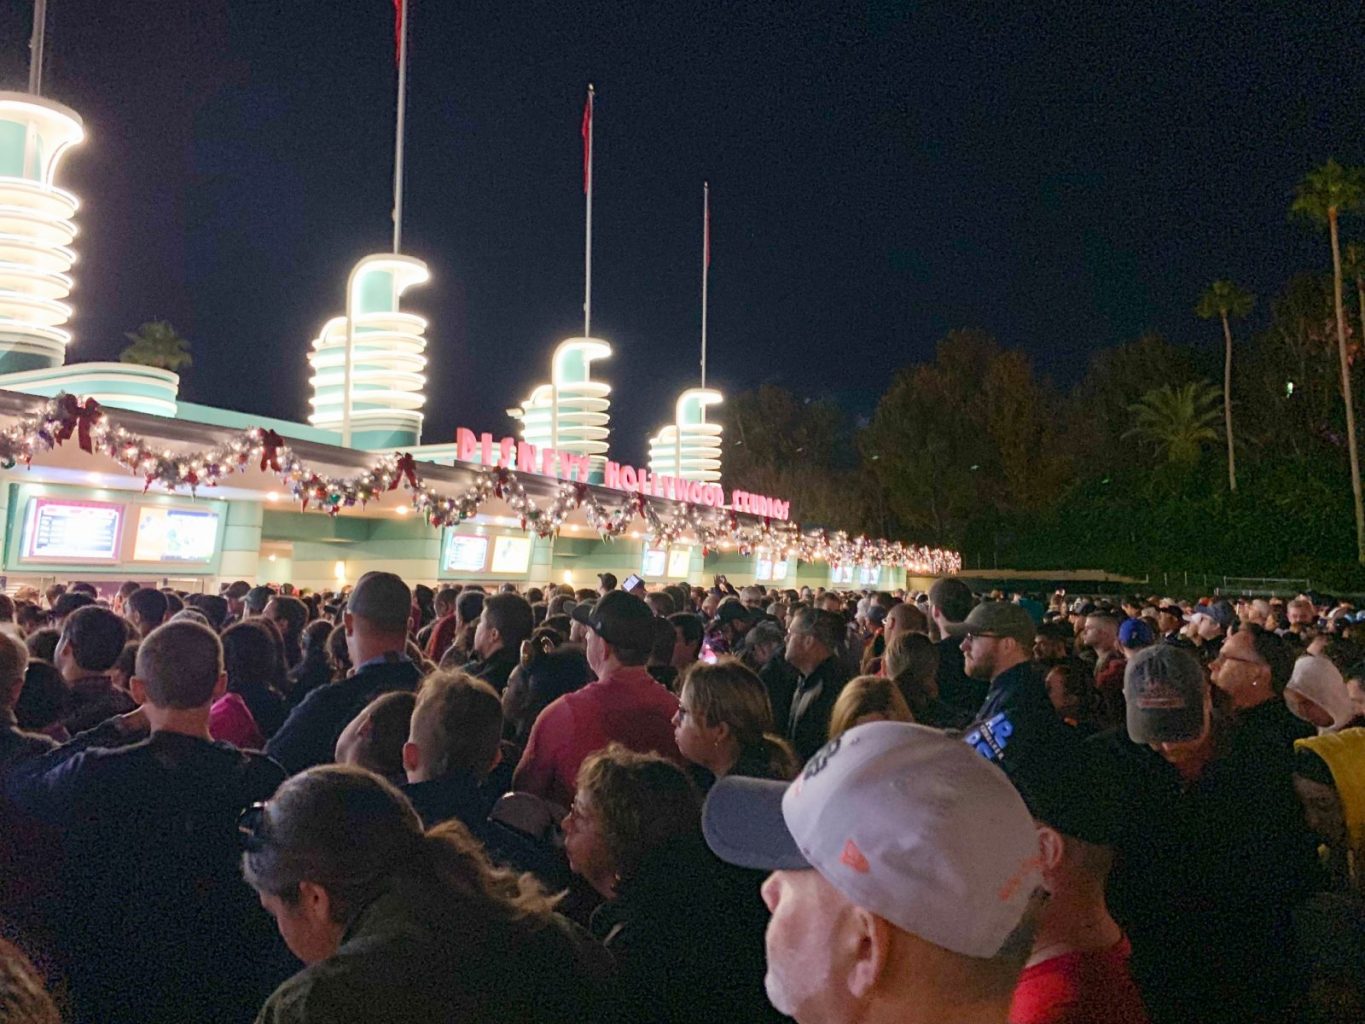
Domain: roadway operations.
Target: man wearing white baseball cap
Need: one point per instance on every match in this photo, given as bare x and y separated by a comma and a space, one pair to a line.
905, 878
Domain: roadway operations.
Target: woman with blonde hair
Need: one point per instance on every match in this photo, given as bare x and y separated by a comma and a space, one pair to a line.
724, 723
868, 699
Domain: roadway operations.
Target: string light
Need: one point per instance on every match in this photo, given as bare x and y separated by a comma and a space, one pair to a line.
65, 416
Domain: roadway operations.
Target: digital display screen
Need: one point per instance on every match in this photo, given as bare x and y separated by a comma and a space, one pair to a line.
841, 574
654, 563
679, 562
89, 531
466, 554
175, 535
511, 554
763, 569
780, 570
868, 576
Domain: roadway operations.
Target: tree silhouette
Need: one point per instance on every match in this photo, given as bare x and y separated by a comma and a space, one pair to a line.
156, 343
1225, 300
1323, 195
1177, 421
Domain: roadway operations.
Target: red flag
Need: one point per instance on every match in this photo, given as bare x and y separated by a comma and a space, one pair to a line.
587, 142
398, 6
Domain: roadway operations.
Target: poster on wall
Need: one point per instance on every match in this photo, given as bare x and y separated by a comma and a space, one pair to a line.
679, 562
465, 554
511, 554
88, 531
655, 562
175, 535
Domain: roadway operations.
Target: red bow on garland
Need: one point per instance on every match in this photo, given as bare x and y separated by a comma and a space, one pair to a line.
78, 419
271, 443
406, 467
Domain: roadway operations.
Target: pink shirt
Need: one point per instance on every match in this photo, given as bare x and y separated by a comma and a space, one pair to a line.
1079, 988
231, 720
627, 707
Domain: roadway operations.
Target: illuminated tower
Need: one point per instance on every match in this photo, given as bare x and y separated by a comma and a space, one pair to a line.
689, 447
36, 231
570, 413
368, 364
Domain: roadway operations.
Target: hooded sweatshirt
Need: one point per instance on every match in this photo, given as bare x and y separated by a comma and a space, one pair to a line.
1317, 679
1344, 753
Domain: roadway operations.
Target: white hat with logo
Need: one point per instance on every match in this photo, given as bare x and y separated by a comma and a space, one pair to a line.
905, 821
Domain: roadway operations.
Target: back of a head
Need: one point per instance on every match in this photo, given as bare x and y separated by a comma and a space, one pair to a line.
374, 739
382, 602
642, 800
6, 608
257, 598
70, 602
1274, 652
179, 664
690, 625
215, 609
868, 698
510, 615
912, 657
469, 604
294, 612
457, 724
43, 699
42, 643
952, 598
252, 655
95, 636
149, 604
13, 668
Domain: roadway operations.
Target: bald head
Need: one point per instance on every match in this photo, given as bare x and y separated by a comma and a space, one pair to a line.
905, 618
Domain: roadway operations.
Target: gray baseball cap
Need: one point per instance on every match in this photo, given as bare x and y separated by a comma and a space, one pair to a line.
996, 618
1164, 690
905, 821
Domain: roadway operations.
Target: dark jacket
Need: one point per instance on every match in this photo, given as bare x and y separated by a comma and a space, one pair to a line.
1017, 721
687, 936
955, 687
310, 733
462, 797
93, 699
153, 914
1205, 875
779, 679
17, 745
812, 704
305, 677
495, 669
417, 954
265, 703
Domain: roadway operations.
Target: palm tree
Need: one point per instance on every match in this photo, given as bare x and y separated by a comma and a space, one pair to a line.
1353, 269
1178, 421
1323, 195
157, 344
1225, 300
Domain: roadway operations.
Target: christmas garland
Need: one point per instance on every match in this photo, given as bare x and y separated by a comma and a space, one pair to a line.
66, 416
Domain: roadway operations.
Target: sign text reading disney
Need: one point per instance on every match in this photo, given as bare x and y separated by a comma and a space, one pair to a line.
509, 453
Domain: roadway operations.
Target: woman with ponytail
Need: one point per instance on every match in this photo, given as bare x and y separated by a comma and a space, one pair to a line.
724, 724
396, 924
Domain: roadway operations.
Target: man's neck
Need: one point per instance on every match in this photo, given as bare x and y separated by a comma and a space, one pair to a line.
182, 721
1012, 664
1074, 921
370, 647
490, 653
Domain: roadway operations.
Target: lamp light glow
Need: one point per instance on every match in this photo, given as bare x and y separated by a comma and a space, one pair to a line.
571, 412
689, 447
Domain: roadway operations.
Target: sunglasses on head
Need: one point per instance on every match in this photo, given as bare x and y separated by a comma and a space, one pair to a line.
251, 827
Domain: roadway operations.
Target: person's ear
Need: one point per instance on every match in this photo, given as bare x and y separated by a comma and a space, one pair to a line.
870, 937
220, 687
315, 902
1051, 847
137, 689
348, 622
412, 757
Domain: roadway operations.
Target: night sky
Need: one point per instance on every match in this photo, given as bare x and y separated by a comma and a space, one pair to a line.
1064, 175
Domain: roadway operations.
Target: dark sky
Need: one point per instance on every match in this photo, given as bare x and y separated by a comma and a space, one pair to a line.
1065, 175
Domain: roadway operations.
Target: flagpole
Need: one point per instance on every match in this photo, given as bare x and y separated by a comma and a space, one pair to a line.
705, 272
399, 127
587, 239
35, 46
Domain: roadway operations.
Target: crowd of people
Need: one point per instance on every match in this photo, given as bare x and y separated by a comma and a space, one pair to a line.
686, 804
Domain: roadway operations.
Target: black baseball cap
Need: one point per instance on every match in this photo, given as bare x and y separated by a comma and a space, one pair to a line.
621, 619
607, 580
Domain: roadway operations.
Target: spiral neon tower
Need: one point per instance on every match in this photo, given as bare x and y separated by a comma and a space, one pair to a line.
689, 447
368, 365
571, 412
36, 231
